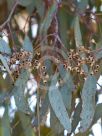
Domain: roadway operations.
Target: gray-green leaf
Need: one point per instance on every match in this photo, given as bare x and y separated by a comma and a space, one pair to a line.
25, 2
4, 47
88, 103
27, 45
77, 32
18, 91
58, 106
48, 18
6, 131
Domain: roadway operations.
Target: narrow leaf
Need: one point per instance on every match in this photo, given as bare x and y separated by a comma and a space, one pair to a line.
43, 111
27, 45
67, 88
56, 126
58, 106
76, 116
77, 33
18, 91
64, 20
48, 18
88, 103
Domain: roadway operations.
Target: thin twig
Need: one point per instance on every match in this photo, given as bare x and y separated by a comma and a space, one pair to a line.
99, 85
11, 34
10, 15
28, 18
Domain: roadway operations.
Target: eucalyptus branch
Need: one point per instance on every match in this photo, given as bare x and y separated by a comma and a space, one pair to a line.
10, 15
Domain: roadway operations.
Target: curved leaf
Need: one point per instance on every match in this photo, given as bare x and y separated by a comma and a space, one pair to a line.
56, 126
63, 19
58, 106
27, 45
77, 33
76, 116
67, 88
88, 103
48, 18
18, 91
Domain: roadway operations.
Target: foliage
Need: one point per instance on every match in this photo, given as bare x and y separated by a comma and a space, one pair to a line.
64, 58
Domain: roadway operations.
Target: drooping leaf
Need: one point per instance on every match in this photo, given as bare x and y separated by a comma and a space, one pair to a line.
63, 19
58, 106
67, 88
76, 116
43, 111
56, 126
44, 108
27, 45
48, 18
18, 91
67, 78
4, 47
5, 122
77, 32
88, 103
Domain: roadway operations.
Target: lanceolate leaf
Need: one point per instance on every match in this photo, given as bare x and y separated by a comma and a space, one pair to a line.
58, 106
66, 76
43, 111
27, 45
77, 32
48, 18
88, 103
76, 116
63, 19
56, 126
18, 91
67, 88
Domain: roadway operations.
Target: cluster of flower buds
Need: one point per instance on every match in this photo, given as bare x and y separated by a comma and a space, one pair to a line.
20, 60
79, 58
75, 63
